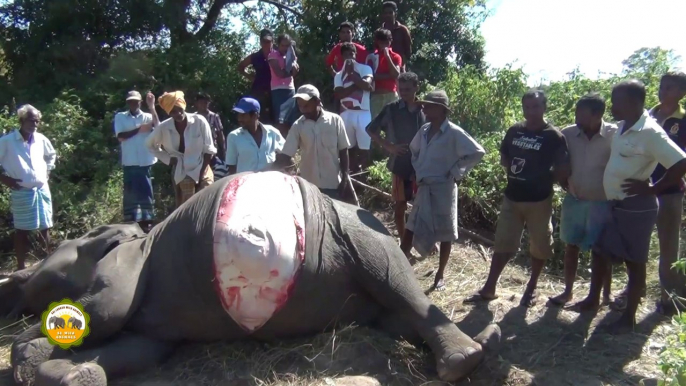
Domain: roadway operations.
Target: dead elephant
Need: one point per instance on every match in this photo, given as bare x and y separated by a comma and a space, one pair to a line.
256, 255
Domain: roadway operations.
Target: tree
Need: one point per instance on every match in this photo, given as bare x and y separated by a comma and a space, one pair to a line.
650, 60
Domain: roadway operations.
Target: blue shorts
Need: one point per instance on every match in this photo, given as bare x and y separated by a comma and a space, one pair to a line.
582, 221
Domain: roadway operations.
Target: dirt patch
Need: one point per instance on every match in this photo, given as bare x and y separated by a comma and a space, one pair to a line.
540, 346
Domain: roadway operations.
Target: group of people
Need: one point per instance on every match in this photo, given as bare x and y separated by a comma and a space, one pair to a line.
364, 80
620, 179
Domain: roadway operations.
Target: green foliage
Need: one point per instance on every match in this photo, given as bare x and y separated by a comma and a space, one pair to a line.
672, 360
85, 191
379, 176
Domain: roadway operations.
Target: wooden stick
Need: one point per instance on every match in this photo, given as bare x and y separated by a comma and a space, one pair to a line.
5, 280
468, 233
352, 189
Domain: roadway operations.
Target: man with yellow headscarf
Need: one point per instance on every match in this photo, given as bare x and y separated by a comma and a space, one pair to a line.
184, 142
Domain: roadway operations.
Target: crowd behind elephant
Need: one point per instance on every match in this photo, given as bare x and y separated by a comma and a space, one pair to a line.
621, 180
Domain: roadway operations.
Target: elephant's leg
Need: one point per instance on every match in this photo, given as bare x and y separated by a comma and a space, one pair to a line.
386, 274
29, 350
125, 355
399, 328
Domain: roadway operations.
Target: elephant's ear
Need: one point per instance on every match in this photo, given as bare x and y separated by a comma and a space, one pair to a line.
101, 240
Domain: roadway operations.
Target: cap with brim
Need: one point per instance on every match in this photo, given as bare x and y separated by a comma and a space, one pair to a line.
133, 96
307, 92
247, 105
438, 97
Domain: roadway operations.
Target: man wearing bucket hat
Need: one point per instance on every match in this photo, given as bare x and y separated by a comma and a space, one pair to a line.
442, 155
253, 146
320, 135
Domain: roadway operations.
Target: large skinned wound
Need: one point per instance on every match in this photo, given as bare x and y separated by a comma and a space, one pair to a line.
259, 245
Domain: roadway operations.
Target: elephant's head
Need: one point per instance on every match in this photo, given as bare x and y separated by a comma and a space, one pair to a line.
67, 271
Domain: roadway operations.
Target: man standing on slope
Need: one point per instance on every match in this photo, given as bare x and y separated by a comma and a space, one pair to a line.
638, 147
585, 204
132, 128
400, 120
184, 142
442, 155
534, 155
352, 86
335, 59
27, 157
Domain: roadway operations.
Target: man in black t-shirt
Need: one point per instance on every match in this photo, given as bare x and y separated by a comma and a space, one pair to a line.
534, 154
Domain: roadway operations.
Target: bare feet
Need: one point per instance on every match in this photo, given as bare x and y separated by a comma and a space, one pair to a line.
528, 299
584, 306
561, 299
481, 296
439, 285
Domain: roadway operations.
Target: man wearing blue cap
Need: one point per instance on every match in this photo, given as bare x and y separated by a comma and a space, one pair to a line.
253, 146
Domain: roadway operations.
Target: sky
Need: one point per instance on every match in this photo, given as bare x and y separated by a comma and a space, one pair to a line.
550, 38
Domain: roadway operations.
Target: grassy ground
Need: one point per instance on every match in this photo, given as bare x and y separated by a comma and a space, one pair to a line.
540, 346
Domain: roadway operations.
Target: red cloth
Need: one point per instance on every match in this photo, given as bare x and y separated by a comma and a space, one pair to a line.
387, 84
335, 56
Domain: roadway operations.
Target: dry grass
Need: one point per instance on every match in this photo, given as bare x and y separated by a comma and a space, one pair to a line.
541, 346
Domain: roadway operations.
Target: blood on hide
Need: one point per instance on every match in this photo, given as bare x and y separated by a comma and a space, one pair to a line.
259, 246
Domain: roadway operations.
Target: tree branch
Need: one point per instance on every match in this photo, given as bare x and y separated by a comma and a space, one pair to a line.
212, 17
218, 5
277, 4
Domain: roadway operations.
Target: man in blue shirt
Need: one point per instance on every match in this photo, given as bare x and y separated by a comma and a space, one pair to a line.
254, 145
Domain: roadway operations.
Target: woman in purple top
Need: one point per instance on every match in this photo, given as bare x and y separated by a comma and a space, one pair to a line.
262, 76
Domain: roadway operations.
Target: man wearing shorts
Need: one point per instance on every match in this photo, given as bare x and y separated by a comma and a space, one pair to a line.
400, 121
528, 152
352, 86
639, 145
584, 204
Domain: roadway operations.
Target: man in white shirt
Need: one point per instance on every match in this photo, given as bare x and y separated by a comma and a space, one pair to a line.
132, 128
352, 86
184, 142
254, 145
27, 158
637, 147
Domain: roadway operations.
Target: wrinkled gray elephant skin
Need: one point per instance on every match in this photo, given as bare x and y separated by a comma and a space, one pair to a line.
255, 255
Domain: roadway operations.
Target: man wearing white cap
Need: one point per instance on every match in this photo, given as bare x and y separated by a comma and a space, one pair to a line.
320, 136
132, 127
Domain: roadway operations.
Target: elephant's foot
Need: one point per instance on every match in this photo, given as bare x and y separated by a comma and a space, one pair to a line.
29, 350
63, 372
489, 338
454, 366
85, 374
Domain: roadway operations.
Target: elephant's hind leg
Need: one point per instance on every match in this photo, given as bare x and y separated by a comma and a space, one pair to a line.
387, 276
125, 355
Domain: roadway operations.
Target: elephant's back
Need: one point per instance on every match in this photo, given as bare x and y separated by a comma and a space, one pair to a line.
180, 302
185, 297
